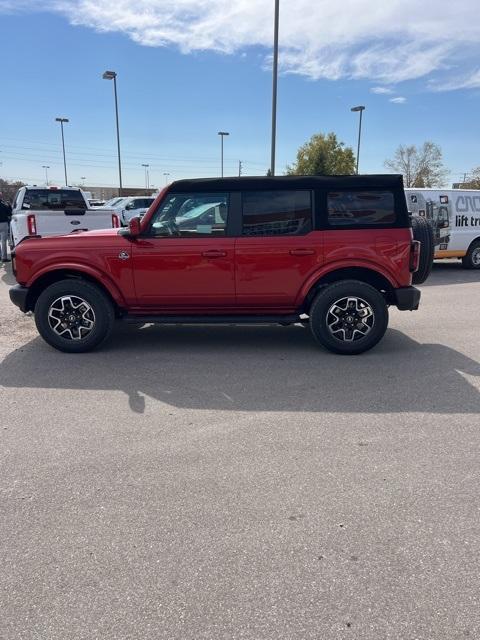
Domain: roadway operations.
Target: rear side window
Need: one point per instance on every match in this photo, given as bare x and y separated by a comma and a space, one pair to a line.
276, 213
361, 208
56, 200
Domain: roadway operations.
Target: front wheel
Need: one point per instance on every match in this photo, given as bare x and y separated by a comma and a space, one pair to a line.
349, 317
472, 259
74, 316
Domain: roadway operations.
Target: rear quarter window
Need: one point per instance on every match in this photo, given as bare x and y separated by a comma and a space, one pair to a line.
361, 208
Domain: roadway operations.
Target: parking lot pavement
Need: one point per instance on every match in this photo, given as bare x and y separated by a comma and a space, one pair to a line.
241, 483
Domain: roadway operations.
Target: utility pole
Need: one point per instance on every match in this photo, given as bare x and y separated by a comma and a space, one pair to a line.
239, 168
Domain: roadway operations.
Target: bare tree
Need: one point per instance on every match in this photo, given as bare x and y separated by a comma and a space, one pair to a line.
9, 189
473, 179
421, 167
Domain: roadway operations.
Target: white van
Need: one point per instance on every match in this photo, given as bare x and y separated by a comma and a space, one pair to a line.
53, 211
455, 217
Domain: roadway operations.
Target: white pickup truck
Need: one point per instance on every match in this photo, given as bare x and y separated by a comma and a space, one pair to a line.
54, 211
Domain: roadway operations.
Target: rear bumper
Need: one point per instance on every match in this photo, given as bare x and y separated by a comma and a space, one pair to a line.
18, 295
407, 298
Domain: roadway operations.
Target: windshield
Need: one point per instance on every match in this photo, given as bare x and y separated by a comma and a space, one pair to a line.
112, 202
121, 202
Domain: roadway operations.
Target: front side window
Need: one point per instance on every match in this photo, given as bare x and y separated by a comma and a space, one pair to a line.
191, 215
53, 199
369, 208
276, 213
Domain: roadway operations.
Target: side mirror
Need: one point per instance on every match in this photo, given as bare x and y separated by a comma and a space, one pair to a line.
134, 227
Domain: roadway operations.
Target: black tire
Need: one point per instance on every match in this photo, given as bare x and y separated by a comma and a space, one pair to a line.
96, 313
422, 231
323, 323
472, 259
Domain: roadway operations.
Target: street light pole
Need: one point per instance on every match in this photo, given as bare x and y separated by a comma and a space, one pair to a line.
166, 177
274, 87
146, 174
62, 120
112, 75
361, 109
46, 167
222, 134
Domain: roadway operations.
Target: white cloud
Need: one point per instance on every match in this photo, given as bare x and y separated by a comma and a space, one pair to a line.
398, 100
464, 82
387, 42
381, 90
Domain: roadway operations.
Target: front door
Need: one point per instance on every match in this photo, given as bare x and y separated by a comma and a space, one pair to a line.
184, 263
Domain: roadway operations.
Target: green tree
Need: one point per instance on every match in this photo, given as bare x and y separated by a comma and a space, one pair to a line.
420, 166
323, 154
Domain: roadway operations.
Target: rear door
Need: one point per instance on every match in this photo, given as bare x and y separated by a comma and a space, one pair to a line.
277, 249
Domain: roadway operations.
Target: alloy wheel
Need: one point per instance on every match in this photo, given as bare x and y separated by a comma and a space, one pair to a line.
350, 319
71, 317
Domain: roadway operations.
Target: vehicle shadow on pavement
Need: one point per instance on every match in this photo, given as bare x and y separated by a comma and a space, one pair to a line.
451, 272
255, 369
7, 275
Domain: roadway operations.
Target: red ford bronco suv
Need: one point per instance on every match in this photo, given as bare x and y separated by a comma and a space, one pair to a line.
330, 251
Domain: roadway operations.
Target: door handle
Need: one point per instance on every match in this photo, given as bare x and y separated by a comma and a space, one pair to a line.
302, 252
214, 253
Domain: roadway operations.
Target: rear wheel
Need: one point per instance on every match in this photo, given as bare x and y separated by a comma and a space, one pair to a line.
349, 317
422, 231
472, 259
74, 316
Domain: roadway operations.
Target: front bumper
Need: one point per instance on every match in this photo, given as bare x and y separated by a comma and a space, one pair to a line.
18, 295
407, 298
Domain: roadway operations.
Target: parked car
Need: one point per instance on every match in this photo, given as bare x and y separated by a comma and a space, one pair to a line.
330, 252
47, 211
132, 207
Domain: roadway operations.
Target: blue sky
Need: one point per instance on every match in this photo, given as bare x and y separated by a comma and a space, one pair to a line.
184, 76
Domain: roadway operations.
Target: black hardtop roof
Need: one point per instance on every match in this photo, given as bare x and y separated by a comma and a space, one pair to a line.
385, 181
